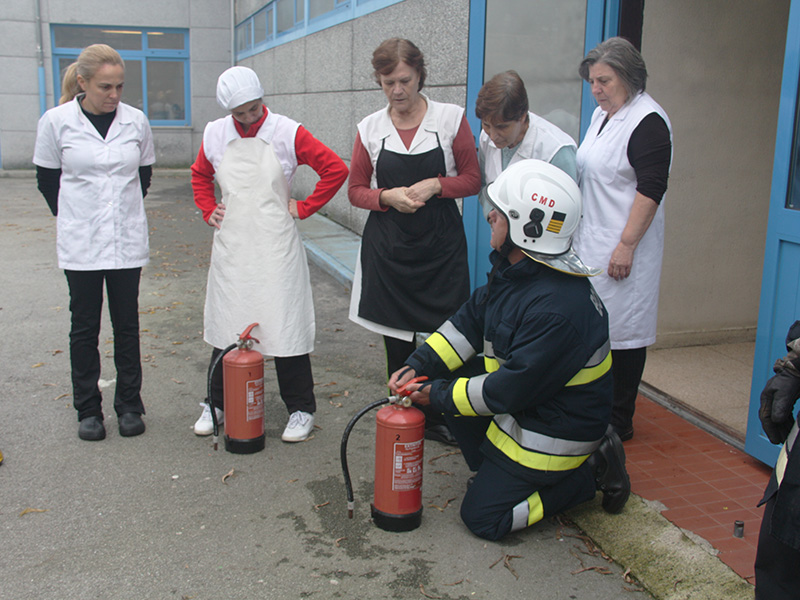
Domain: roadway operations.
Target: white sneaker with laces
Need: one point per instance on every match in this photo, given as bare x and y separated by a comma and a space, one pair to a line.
204, 425
299, 427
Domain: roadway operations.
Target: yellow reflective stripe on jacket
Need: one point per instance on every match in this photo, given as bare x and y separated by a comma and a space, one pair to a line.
528, 458
445, 351
461, 398
589, 374
490, 364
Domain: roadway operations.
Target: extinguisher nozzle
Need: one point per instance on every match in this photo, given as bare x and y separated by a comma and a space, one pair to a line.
350, 507
216, 442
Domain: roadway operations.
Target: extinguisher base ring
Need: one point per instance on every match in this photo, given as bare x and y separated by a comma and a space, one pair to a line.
235, 446
389, 522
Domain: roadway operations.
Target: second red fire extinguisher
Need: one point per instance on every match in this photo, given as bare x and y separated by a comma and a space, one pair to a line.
399, 445
243, 396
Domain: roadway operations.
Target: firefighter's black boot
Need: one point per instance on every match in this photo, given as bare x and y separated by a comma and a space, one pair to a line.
608, 466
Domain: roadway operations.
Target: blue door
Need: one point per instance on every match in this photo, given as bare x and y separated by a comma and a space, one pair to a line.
780, 286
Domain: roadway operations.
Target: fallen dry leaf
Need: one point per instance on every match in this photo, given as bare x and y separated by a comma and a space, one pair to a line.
435, 458
33, 510
426, 594
37, 365
228, 474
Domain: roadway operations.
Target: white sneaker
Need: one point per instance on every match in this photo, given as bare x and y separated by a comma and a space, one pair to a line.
204, 425
299, 426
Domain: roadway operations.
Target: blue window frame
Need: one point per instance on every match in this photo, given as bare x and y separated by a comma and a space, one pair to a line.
282, 21
156, 66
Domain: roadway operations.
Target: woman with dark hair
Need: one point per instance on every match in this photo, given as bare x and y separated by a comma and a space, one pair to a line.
94, 157
511, 133
410, 161
623, 167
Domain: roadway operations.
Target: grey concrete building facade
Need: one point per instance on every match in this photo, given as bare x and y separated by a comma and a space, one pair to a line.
207, 24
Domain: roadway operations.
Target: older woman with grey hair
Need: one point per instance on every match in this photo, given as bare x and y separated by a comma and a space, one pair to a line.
623, 167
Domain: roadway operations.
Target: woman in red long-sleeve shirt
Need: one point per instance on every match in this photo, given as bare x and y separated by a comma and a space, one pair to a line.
258, 269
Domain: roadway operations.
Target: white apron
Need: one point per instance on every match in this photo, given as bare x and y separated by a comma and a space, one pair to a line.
258, 271
608, 185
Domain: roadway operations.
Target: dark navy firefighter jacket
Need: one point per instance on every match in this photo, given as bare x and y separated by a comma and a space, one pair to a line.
547, 356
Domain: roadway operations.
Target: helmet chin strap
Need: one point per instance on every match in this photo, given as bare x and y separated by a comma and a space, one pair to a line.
504, 251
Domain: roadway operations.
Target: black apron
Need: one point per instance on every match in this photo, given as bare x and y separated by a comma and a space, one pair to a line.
414, 272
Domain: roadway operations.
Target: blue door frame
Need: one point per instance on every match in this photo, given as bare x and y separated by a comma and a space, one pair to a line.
780, 286
602, 21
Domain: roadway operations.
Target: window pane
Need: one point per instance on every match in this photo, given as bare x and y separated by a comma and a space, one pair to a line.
165, 97
285, 15
301, 10
243, 36
793, 196
132, 92
270, 24
80, 37
165, 41
259, 28
317, 8
543, 41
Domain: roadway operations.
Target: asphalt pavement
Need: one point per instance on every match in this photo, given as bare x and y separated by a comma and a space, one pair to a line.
163, 515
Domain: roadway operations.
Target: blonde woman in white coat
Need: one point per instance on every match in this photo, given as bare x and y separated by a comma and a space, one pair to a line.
94, 157
623, 168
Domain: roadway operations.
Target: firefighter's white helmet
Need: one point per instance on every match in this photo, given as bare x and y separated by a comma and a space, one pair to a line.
543, 207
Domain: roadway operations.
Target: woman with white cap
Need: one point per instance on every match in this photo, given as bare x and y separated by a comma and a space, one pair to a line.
258, 269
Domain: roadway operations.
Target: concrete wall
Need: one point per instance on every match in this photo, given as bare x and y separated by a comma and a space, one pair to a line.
325, 80
716, 68
209, 25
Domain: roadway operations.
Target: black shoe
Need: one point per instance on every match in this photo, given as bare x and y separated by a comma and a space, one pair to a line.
92, 429
440, 433
130, 424
624, 434
608, 465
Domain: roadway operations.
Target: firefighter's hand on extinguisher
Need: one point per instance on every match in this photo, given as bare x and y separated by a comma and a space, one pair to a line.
215, 220
417, 392
401, 377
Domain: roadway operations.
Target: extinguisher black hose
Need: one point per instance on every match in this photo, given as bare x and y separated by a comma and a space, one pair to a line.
211, 407
343, 451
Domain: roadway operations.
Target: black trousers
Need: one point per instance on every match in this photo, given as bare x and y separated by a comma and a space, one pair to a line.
85, 305
489, 504
628, 366
777, 564
295, 382
397, 351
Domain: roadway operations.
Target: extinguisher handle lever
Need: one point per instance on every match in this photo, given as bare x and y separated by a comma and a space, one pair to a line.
403, 393
245, 335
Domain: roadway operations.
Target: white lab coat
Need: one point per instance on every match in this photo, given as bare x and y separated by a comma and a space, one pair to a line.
101, 220
608, 185
258, 271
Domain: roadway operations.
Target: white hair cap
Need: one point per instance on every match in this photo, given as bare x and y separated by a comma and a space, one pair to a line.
237, 86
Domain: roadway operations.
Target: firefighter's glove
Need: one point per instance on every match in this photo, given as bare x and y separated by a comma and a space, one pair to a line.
777, 403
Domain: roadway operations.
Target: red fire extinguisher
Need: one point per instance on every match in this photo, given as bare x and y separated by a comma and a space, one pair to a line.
243, 389
399, 444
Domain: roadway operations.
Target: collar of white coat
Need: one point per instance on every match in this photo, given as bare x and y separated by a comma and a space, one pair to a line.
124, 117
623, 112
429, 123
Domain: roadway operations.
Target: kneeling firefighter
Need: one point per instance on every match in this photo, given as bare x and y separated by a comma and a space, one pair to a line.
532, 419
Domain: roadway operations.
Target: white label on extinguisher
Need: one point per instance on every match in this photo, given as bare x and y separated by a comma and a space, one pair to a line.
407, 472
255, 399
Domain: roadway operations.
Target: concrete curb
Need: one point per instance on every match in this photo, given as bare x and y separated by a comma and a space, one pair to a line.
670, 564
